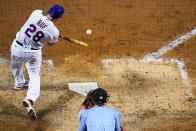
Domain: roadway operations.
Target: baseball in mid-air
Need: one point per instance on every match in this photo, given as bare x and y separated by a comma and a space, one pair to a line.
88, 32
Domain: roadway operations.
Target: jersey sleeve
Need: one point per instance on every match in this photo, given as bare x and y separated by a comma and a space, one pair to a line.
37, 12
52, 40
53, 37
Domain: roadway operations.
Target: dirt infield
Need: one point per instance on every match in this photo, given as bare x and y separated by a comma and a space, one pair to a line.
149, 95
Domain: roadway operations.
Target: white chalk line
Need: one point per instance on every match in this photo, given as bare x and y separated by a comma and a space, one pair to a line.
4, 61
182, 69
153, 58
52, 71
179, 62
48, 62
177, 116
171, 45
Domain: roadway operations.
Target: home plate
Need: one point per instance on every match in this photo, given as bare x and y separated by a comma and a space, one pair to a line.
82, 88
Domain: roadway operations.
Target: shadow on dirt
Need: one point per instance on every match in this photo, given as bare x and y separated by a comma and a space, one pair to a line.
12, 117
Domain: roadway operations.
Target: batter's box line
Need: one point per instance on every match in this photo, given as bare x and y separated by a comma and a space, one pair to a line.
4, 61
171, 45
181, 67
51, 66
179, 62
153, 57
49, 63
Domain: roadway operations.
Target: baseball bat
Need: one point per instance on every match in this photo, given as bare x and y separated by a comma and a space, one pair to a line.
74, 41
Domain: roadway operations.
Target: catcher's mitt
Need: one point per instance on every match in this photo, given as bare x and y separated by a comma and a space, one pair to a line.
89, 102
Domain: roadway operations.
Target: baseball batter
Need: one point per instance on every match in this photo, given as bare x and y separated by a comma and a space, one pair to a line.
26, 48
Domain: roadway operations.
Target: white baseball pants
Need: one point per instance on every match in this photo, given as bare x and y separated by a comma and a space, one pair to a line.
33, 58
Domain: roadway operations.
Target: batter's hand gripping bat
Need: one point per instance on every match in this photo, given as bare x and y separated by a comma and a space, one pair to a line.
74, 41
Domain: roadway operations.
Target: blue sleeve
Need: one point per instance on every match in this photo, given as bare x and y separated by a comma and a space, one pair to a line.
82, 123
117, 121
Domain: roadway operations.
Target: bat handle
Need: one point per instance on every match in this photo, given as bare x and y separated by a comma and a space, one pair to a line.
60, 36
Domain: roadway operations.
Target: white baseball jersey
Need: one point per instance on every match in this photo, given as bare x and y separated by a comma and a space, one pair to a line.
37, 30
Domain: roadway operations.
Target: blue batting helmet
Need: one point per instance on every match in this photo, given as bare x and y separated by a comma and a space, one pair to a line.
56, 11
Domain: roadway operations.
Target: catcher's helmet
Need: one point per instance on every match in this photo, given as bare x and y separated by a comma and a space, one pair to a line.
56, 11
100, 96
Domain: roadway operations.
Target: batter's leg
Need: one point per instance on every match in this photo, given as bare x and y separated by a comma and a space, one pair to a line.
33, 66
17, 62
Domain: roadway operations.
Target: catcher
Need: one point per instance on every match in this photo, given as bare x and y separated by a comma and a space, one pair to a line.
97, 117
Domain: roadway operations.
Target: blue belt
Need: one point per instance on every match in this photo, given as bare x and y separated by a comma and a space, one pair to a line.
22, 45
